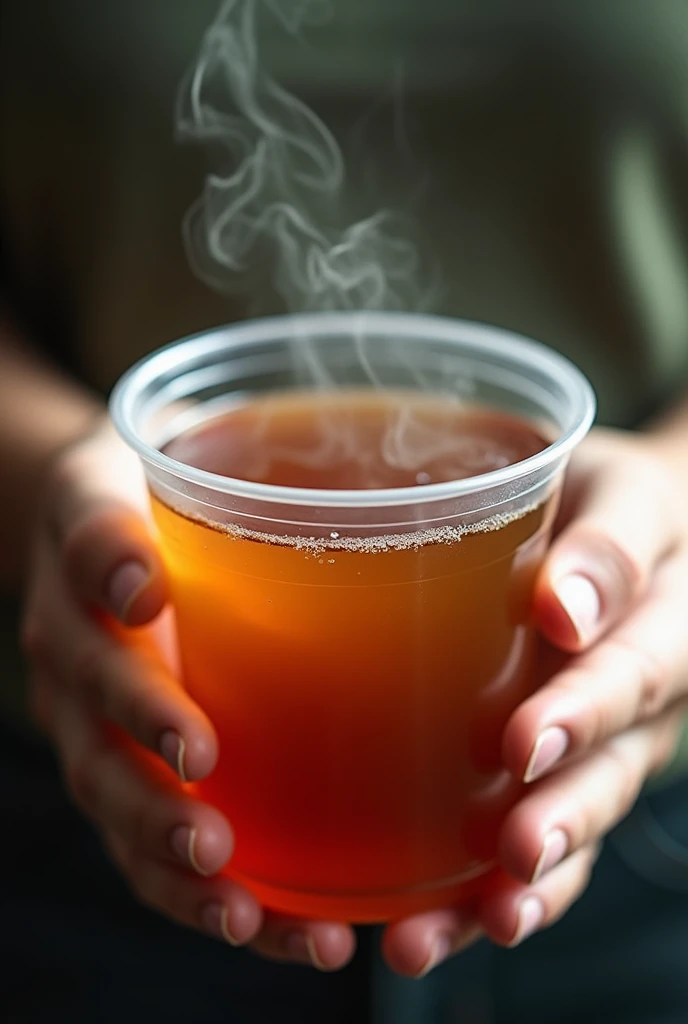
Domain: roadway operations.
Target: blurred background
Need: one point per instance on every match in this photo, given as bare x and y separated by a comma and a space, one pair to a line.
540, 153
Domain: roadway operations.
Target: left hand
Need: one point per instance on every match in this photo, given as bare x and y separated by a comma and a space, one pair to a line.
126, 733
612, 595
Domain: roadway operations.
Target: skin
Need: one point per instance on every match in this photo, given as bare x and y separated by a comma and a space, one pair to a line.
614, 646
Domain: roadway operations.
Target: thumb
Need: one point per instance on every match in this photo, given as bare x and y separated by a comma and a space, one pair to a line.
602, 561
98, 518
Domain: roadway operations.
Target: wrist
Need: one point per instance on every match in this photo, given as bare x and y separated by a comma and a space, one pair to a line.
34, 476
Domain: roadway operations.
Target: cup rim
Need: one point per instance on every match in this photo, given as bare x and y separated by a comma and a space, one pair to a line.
489, 340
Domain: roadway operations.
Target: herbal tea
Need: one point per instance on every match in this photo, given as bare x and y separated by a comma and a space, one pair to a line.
359, 682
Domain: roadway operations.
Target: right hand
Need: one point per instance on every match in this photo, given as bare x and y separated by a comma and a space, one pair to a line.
100, 641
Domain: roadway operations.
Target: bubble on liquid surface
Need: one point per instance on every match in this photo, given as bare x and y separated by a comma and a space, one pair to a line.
312, 547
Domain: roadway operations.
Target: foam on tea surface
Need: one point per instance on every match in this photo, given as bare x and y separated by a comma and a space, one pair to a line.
359, 441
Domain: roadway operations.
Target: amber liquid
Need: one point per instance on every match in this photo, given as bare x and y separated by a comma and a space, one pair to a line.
359, 685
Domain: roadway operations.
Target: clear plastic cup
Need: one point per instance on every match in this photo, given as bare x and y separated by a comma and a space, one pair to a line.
360, 651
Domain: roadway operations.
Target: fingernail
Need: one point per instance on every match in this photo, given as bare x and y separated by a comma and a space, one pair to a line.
580, 600
441, 948
183, 844
301, 948
214, 920
126, 583
554, 849
172, 747
550, 747
530, 916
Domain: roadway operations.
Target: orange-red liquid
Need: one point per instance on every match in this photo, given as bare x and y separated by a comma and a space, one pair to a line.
359, 689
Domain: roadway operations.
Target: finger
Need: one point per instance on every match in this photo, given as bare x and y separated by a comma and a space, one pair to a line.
112, 562
122, 679
104, 541
124, 791
579, 804
217, 906
631, 676
418, 944
325, 945
149, 821
624, 524
512, 912
225, 910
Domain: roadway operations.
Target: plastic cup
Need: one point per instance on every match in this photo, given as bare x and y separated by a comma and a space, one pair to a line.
359, 652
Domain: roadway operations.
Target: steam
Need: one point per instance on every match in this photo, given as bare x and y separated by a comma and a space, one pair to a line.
281, 186
275, 198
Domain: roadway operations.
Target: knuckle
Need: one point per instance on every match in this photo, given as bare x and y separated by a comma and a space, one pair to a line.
600, 722
627, 571
619, 569
631, 685
113, 688
591, 717
654, 684
627, 779
87, 536
652, 678
579, 828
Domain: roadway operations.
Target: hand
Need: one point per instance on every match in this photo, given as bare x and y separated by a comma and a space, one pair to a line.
612, 596
126, 732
